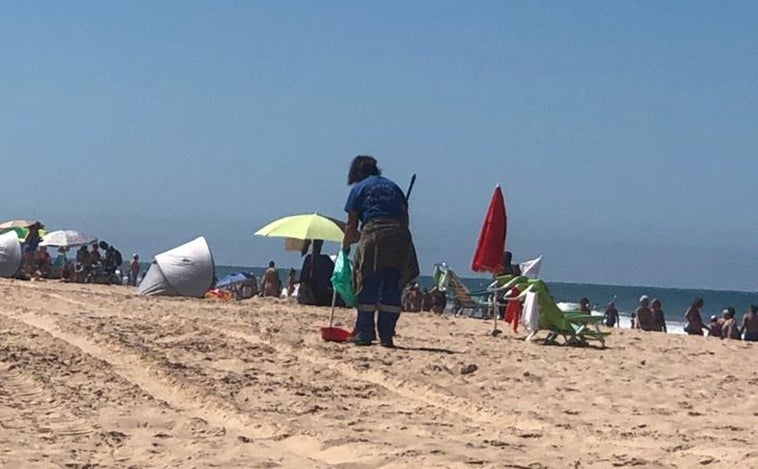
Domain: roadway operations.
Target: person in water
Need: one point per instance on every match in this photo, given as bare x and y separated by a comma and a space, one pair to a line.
385, 259
694, 324
611, 315
750, 324
584, 305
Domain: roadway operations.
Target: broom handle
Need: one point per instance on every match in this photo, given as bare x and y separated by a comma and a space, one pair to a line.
334, 301
410, 188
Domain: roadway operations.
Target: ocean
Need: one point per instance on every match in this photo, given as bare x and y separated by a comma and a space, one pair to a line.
674, 300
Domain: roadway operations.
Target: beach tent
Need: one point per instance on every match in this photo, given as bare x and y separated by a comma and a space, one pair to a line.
186, 270
10, 254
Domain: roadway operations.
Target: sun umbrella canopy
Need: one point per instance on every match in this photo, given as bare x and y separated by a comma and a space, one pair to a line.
489, 249
16, 224
67, 239
312, 226
21, 232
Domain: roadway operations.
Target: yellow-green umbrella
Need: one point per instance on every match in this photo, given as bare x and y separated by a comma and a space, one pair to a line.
21, 232
16, 224
312, 226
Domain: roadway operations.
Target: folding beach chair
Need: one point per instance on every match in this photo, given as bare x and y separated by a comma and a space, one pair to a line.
574, 327
448, 281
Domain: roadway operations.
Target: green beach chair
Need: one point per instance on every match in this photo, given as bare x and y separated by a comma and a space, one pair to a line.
574, 327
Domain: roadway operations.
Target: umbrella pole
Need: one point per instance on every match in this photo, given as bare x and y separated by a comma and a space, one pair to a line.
331, 314
495, 331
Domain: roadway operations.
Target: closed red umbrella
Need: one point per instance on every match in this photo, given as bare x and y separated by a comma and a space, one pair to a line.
489, 249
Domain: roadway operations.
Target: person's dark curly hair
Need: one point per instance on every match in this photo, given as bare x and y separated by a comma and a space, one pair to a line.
362, 167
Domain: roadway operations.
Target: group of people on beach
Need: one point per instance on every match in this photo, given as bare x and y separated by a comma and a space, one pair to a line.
95, 263
649, 316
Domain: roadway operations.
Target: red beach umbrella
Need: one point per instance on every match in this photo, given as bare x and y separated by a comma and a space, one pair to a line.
489, 249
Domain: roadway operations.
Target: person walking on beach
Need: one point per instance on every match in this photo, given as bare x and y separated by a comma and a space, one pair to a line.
694, 325
612, 315
750, 324
385, 259
644, 315
272, 284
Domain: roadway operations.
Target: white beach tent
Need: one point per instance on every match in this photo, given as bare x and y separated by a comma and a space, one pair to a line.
10, 254
186, 270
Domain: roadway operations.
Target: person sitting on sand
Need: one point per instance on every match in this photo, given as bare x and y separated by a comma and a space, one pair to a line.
750, 324
694, 325
730, 329
315, 277
659, 319
272, 284
612, 315
43, 262
714, 328
427, 301
439, 301
644, 315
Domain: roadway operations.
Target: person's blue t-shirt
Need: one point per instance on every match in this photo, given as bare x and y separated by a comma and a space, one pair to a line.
376, 197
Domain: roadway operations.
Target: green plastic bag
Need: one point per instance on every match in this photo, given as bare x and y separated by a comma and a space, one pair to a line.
342, 279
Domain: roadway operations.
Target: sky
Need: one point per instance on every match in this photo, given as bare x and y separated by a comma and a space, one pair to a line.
622, 133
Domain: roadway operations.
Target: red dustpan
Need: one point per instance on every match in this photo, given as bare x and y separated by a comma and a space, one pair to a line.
334, 334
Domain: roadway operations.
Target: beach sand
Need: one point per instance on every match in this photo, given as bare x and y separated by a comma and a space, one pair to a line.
94, 376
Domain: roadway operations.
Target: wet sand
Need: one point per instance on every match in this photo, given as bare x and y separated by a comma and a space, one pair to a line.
94, 376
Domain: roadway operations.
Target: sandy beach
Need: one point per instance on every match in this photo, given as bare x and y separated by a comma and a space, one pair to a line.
94, 376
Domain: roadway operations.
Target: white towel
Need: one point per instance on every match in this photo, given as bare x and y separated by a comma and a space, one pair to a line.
531, 268
531, 311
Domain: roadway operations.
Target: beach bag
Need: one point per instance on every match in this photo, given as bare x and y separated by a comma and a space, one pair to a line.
342, 279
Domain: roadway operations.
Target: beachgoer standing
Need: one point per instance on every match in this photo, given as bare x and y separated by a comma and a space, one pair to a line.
133, 270
385, 259
694, 325
644, 315
291, 282
272, 284
584, 305
659, 318
31, 243
750, 324
730, 329
612, 316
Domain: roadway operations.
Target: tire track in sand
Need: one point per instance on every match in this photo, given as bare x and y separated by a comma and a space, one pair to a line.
419, 393
137, 371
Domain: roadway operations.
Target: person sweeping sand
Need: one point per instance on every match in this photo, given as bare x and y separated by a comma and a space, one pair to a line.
385, 259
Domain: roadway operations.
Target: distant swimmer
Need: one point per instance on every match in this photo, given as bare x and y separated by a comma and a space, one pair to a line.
750, 324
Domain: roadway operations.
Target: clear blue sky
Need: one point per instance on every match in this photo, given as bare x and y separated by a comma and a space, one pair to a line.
623, 133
